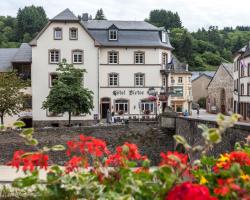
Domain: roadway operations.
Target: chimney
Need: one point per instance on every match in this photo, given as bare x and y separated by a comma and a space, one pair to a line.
187, 67
85, 17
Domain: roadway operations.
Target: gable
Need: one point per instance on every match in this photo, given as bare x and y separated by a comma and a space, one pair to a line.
221, 78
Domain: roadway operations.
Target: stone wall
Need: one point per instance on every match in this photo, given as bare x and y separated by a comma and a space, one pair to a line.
188, 128
150, 139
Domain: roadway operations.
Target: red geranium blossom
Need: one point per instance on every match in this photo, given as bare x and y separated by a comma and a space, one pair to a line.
226, 160
124, 153
189, 191
226, 186
173, 159
29, 161
87, 145
74, 163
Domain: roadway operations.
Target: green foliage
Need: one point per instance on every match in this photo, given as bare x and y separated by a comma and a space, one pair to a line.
15, 30
10, 97
68, 94
30, 20
166, 19
204, 49
100, 15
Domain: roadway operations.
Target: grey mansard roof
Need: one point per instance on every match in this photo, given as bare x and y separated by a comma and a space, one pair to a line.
14, 55
121, 25
130, 33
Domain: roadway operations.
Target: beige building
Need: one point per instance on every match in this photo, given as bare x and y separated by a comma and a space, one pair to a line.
220, 90
200, 81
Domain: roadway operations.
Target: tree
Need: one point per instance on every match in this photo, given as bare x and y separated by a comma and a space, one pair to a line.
68, 94
11, 99
163, 18
30, 20
100, 15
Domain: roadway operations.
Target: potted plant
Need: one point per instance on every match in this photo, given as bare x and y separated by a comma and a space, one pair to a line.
120, 112
146, 112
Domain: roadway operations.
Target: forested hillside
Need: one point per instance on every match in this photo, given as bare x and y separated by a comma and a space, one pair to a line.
22, 28
204, 49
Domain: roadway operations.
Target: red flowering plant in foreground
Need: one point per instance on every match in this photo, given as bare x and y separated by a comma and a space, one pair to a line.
116, 176
189, 191
83, 150
29, 161
124, 154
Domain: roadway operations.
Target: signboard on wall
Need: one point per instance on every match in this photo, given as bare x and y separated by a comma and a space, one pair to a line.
129, 92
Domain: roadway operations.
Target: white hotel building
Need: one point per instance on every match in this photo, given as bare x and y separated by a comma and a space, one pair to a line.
126, 61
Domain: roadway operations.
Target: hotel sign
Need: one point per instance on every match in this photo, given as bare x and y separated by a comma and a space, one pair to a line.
129, 92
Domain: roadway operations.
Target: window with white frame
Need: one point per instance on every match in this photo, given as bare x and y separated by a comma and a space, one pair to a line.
147, 106
139, 79
113, 57
113, 35
58, 33
139, 57
73, 33
53, 77
53, 114
180, 80
54, 56
77, 56
163, 36
113, 79
121, 106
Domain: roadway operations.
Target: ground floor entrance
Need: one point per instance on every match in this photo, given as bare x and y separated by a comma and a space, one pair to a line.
105, 107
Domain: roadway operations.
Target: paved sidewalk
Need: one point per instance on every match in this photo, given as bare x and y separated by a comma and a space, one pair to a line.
210, 117
8, 174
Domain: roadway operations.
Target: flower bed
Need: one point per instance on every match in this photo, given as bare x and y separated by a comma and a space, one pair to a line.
126, 174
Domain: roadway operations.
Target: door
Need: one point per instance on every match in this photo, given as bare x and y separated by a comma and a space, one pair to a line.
105, 105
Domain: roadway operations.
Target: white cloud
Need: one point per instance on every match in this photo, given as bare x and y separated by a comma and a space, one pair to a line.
194, 13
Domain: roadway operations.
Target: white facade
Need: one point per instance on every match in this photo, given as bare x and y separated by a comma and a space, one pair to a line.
241, 77
41, 68
121, 86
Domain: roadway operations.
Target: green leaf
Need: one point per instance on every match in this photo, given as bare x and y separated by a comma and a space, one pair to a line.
179, 139
26, 181
33, 142
214, 136
58, 148
203, 127
19, 124
28, 131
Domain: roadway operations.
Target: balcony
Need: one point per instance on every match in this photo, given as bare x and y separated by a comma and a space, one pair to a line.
167, 68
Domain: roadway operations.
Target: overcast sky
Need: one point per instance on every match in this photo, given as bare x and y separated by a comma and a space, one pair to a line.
194, 13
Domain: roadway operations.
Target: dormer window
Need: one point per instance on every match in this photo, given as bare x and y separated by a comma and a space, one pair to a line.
113, 35
57, 33
163, 36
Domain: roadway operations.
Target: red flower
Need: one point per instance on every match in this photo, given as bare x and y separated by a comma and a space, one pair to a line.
124, 153
226, 186
29, 161
240, 157
174, 159
225, 161
73, 163
87, 145
189, 191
